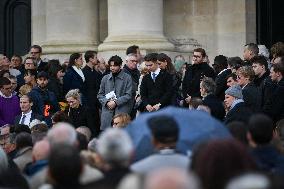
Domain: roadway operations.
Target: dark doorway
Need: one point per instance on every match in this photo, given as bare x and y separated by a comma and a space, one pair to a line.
270, 22
15, 27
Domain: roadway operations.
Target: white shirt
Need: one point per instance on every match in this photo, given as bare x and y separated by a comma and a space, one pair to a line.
27, 118
156, 73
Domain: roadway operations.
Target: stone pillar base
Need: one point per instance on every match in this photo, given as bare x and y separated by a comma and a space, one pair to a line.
158, 43
67, 48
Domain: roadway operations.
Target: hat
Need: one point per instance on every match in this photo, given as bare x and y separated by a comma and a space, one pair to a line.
235, 91
42, 74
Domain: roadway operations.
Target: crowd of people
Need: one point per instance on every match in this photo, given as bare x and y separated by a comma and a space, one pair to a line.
63, 124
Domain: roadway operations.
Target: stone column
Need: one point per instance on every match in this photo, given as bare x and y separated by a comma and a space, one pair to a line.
71, 26
135, 22
38, 22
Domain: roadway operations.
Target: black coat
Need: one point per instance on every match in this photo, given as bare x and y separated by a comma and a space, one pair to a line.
81, 116
238, 113
215, 105
57, 88
192, 78
72, 80
268, 159
160, 91
92, 86
252, 97
274, 107
42, 66
221, 83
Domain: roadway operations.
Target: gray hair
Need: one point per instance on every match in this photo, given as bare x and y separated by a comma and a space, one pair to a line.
130, 55
208, 84
115, 146
248, 181
85, 131
3, 161
92, 145
62, 133
75, 93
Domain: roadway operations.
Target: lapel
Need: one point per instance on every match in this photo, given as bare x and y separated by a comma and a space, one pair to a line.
77, 75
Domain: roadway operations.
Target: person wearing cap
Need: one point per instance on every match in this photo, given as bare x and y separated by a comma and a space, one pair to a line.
234, 103
44, 101
165, 132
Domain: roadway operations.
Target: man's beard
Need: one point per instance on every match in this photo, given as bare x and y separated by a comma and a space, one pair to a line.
42, 86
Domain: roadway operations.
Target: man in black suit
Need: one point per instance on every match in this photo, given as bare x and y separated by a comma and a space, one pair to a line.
92, 86
27, 114
156, 87
35, 52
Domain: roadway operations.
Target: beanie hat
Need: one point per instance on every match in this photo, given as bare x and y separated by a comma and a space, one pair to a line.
235, 91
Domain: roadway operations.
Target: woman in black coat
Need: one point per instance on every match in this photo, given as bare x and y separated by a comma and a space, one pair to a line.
79, 114
74, 77
165, 63
55, 82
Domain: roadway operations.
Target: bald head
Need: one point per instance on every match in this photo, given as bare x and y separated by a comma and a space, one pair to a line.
62, 133
171, 178
41, 150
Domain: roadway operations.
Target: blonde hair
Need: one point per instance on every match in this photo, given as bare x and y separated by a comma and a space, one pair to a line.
247, 72
75, 93
125, 119
24, 90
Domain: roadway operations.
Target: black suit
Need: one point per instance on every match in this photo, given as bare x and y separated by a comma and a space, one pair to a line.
33, 116
42, 66
221, 83
92, 86
252, 97
160, 91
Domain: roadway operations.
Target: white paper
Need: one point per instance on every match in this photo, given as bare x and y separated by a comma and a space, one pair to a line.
111, 95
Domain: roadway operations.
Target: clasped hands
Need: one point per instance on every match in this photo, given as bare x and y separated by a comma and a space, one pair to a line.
150, 108
111, 104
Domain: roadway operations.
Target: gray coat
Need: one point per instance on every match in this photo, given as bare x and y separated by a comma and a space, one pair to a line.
123, 90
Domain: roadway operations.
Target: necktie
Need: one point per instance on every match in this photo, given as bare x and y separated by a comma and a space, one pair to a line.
154, 76
23, 119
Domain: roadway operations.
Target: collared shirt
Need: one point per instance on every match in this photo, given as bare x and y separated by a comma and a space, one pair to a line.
156, 73
27, 118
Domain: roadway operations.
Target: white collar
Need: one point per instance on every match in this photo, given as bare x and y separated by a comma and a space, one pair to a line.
156, 72
223, 71
27, 114
1, 94
79, 71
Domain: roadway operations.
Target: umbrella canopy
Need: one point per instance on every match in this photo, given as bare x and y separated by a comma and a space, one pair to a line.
195, 127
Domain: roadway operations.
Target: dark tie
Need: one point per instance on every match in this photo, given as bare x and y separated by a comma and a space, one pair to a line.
154, 76
23, 119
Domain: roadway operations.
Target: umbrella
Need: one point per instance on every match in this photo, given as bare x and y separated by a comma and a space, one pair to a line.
195, 127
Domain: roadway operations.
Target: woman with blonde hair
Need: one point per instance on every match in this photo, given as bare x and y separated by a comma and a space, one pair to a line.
79, 114
121, 120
